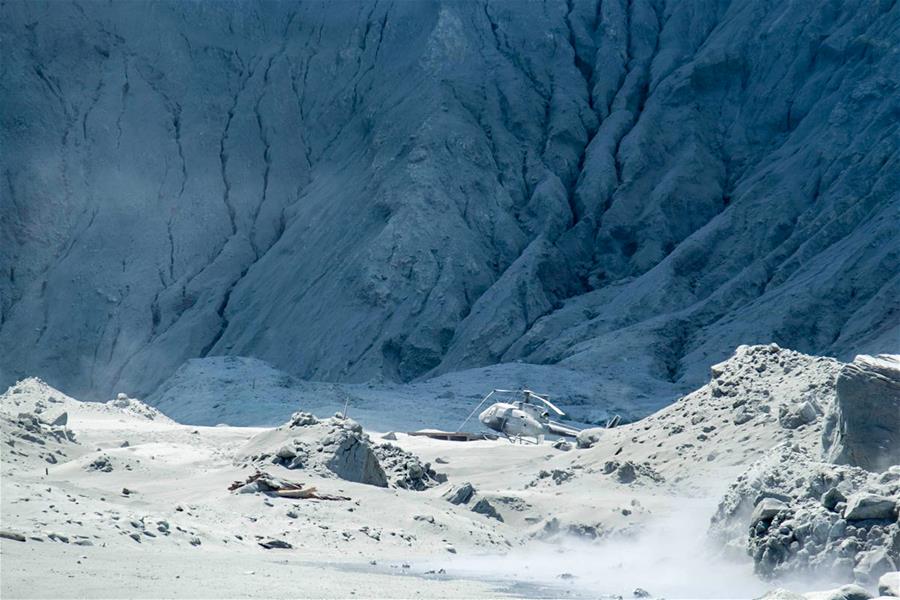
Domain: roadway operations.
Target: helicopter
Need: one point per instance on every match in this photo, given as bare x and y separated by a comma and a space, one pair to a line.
522, 419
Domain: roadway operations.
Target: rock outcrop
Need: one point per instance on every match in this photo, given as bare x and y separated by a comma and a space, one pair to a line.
863, 428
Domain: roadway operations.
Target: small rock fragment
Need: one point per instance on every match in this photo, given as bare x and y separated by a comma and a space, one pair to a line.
12, 535
483, 507
272, 544
460, 495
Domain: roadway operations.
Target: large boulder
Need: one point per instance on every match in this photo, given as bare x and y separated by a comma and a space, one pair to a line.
766, 510
863, 428
588, 437
869, 506
461, 494
352, 457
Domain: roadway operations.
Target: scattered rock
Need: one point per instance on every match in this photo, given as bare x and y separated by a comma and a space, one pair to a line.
626, 472
101, 464
286, 453
640, 593
272, 544
871, 565
743, 416
766, 510
786, 512
405, 470
390, 436
483, 507
302, 419
794, 416
12, 535
562, 445
832, 498
588, 437
460, 495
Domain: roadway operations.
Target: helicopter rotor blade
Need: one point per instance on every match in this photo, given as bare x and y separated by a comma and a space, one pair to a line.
549, 404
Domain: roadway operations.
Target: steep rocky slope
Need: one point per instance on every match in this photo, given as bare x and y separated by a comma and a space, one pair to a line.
369, 190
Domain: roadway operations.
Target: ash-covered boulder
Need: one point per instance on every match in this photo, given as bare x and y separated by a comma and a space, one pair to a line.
863, 427
461, 494
302, 419
588, 437
845, 592
135, 407
863, 506
351, 456
484, 507
766, 510
889, 584
797, 415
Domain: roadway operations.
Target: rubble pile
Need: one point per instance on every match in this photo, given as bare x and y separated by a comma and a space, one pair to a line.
27, 436
339, 447
405, 470
797, 516
136, 407
824, 502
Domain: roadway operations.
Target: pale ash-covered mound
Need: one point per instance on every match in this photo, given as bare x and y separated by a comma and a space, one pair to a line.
338, 446
36, 422
758, 398
799, 514
359, 190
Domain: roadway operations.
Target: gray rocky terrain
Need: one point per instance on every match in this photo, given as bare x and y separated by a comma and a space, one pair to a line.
89, 489
360, 191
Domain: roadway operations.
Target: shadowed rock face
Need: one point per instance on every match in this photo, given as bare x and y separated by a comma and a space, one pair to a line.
389, 190
863, 428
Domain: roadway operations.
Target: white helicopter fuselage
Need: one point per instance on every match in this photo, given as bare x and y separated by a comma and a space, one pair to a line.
516, 420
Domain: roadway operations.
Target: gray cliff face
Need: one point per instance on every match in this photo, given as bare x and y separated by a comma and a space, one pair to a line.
863, 427
369, 190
